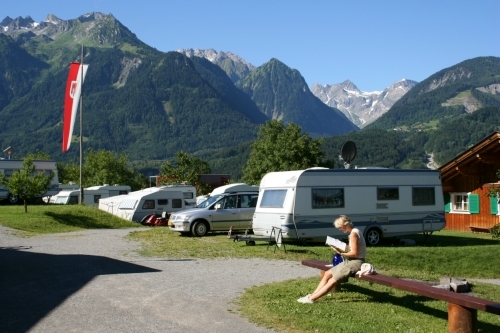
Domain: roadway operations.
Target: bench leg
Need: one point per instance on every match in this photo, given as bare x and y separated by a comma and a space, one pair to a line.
461, 319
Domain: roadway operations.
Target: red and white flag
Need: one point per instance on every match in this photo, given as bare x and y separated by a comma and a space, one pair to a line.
71, 99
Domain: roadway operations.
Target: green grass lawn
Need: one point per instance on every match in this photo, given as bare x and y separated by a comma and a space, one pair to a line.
47, 219
358, 307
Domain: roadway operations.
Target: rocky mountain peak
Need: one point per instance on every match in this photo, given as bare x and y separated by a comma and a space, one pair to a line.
19, 23
234, 66
51, 18
361, 107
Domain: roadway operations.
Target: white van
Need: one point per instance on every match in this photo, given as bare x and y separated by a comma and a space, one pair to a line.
8, 167
229, 206
380, 202
91, 195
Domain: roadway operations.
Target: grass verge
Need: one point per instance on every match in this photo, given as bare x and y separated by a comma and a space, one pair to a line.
47, 219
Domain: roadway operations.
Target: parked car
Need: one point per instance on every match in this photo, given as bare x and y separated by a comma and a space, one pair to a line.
223, 211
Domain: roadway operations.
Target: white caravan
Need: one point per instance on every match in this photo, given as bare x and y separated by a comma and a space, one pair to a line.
91, 195
139, 204
8, 167
188, 191
380, 202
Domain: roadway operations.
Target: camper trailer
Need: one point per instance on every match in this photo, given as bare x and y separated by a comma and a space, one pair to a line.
381, 203
8, 167
91, 195
188, 191
139, 204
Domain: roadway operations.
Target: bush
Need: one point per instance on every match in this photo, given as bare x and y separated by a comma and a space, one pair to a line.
495, 231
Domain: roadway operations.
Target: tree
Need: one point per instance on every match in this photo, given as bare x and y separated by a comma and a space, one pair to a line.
27, 183
185, 170
102, 167
281, 148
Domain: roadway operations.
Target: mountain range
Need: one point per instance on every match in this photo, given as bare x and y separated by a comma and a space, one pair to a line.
151, 104
360, 107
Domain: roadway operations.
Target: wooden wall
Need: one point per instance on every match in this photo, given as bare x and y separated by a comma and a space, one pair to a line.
461, 222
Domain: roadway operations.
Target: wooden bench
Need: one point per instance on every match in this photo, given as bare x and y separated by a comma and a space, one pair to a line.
480, 229
462, 309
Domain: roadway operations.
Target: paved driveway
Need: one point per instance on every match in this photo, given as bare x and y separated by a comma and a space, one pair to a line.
93, 281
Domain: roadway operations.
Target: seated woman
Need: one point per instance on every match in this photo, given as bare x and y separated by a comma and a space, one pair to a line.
353, 259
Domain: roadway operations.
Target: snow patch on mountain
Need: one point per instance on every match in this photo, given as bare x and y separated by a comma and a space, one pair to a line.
361, 107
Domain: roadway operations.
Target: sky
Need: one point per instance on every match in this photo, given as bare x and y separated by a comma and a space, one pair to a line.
371, 43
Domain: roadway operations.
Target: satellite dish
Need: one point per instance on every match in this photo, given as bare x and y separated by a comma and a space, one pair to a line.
348, 152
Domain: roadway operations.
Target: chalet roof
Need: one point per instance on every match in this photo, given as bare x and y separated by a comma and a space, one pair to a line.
472, 161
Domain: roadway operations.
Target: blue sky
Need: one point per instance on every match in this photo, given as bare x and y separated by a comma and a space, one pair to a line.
372, 43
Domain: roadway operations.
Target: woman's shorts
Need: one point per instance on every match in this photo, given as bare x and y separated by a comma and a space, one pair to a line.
347, 268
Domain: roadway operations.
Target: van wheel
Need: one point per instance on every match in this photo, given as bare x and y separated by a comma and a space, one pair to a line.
200, 229
373, 237
13, 199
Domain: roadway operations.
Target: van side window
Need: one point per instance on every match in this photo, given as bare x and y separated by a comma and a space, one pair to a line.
176, 203
273, 198
162, 202
327, 197
387, 193
148, 204
423, 196
247, 200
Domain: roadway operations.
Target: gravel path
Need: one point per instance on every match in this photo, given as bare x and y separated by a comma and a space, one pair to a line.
93, 281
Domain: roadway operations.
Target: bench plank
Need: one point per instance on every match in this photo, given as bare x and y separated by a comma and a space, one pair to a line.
420, 289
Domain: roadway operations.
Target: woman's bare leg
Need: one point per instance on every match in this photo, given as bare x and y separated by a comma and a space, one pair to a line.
323, 288
324, 280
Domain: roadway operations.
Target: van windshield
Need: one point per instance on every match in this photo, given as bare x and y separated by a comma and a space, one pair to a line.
209, 201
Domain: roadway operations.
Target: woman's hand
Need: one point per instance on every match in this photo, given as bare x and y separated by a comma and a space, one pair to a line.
335, 249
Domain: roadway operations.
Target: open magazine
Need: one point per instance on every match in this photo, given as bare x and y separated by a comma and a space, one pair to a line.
336, 243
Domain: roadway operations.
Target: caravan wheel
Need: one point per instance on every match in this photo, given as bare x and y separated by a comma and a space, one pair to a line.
373, 237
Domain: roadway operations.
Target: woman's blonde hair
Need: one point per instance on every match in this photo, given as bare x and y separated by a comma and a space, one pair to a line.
342, 220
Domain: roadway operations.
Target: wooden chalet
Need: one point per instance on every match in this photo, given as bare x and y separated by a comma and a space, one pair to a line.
466, 180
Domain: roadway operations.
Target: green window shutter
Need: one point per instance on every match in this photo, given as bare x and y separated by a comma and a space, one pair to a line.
447, 202
474, 203
494, 205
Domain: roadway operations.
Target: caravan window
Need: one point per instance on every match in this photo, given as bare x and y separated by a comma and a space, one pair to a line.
148, 204
162, 202
96, 198
188, 195
176, 203
273, 198
73, 200
327, 197
423, 196
387, 193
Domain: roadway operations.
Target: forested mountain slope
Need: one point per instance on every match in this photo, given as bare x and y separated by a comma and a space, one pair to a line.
282, 93
447, 95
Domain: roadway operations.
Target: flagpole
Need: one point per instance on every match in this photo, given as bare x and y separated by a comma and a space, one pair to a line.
81, 201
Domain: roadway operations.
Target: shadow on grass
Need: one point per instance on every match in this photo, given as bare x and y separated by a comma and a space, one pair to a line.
33, 284
412, 302
80, 221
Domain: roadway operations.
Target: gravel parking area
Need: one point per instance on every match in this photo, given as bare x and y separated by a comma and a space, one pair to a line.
94, 281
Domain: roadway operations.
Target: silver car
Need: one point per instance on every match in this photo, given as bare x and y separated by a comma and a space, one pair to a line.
220, 212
